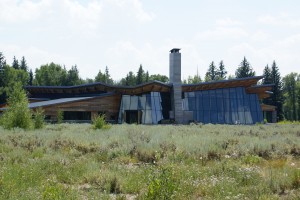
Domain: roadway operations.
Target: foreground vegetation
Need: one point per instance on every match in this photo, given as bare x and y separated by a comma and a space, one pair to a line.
68, 161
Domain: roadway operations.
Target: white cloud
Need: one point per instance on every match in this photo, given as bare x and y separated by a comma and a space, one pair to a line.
135, 8
225, 28
19, 11
220, 33
282, 19
260, 36
228, 22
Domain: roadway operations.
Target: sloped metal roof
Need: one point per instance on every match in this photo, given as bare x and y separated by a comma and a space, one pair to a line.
57, 101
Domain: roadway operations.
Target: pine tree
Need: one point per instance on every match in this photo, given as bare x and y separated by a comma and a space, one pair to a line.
15, 63
23, 64
289, 88
221, 73
73, 76
267, 80
130, 79
30, 77
211, 74
108, 79
2, 61
277, 96
100, 77
140, 75
2, 65
298, 95
147, 77
244, 70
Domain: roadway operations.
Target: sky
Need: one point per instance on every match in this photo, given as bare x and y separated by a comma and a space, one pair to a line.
122, 34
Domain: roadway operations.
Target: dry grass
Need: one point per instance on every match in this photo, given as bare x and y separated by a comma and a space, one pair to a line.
72, 161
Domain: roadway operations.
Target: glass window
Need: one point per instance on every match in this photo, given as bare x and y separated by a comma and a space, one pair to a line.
213, 117
226, 105
126, 102
191, 103
234, 118
148, 101
221, 117
213, 101
133, 103
248, 118
220, 105
241, 117
226, 93
232, 93
206, 101
233, 104
191, 94
206, 117
228, 118
240, 92
240, 105
148, 117
142, 102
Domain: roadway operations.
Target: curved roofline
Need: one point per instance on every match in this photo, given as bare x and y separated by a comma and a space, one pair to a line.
96, 84
225, 81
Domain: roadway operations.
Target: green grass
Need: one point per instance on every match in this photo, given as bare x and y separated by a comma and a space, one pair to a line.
75, 161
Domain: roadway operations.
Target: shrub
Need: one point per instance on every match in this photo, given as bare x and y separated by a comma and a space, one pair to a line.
17, 113
162, 185
60, 116
39, 118
99, 122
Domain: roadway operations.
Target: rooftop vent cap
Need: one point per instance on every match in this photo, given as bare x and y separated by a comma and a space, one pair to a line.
175, 50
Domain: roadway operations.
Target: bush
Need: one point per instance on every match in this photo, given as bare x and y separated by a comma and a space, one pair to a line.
17, 113
162, 185
39, 118
99, 122
60, 116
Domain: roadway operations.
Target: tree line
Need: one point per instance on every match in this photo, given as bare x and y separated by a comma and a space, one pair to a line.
285, 92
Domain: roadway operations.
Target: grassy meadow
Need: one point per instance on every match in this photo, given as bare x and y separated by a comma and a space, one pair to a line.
74, 161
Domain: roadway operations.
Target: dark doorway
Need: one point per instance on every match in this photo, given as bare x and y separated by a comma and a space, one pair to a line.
133, 117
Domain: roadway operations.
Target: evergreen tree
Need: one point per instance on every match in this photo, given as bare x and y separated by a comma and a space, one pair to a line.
104, 77
267, 80
147, 77
108, 79
140, 77
100, 77
23, 64
221, 73
2, 61
15, 63
298, 95
244, 70
30, 77
130, 79
2, 65
73, 77
158, 77
289, 88
211, 74
277, 96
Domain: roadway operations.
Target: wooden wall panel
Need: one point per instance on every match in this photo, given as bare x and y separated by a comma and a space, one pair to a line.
109, 105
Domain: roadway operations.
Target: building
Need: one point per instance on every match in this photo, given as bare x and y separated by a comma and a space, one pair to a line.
235, 101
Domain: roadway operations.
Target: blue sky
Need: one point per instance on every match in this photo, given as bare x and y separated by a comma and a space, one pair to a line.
122, 34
